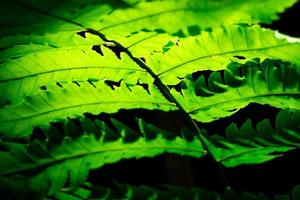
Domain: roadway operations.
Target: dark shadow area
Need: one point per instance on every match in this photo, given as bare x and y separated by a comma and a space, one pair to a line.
289, 21
278, 176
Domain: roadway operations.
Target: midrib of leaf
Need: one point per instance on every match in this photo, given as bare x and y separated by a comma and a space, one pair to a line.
50, 48
86, 104
245, 98
225, 158
224, 53
76, 156
69, 69
142, 40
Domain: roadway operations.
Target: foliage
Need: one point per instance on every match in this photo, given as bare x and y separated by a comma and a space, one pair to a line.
66, 64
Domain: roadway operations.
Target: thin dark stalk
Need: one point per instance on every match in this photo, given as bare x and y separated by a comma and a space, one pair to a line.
166, 91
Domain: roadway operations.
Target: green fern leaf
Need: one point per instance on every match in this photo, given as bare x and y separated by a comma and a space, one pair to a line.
22, 77
108, 16
171, 192
216, 49
72, 100
249, 145
271, 82
44, 167
161, 14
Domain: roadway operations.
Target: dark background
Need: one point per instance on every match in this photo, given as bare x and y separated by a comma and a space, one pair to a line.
277, 176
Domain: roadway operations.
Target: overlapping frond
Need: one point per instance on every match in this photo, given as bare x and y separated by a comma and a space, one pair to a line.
65, 157
119, 17
59, 101
214, 50
223, 93
167, 192
23, 76
255, 144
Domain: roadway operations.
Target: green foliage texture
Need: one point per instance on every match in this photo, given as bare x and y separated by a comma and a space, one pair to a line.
68, 67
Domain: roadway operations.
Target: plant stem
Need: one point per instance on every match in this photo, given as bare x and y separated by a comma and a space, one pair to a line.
224, 185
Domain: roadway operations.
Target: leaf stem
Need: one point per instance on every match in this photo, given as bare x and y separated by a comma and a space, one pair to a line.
224, 185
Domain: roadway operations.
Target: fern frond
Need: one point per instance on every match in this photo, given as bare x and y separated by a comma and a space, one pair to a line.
214, 50
108, 16
44, 17
65, 158
254, 145
167, 15
58, 102
22, 77
224, 93
181, 193
171, 192
140, 43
